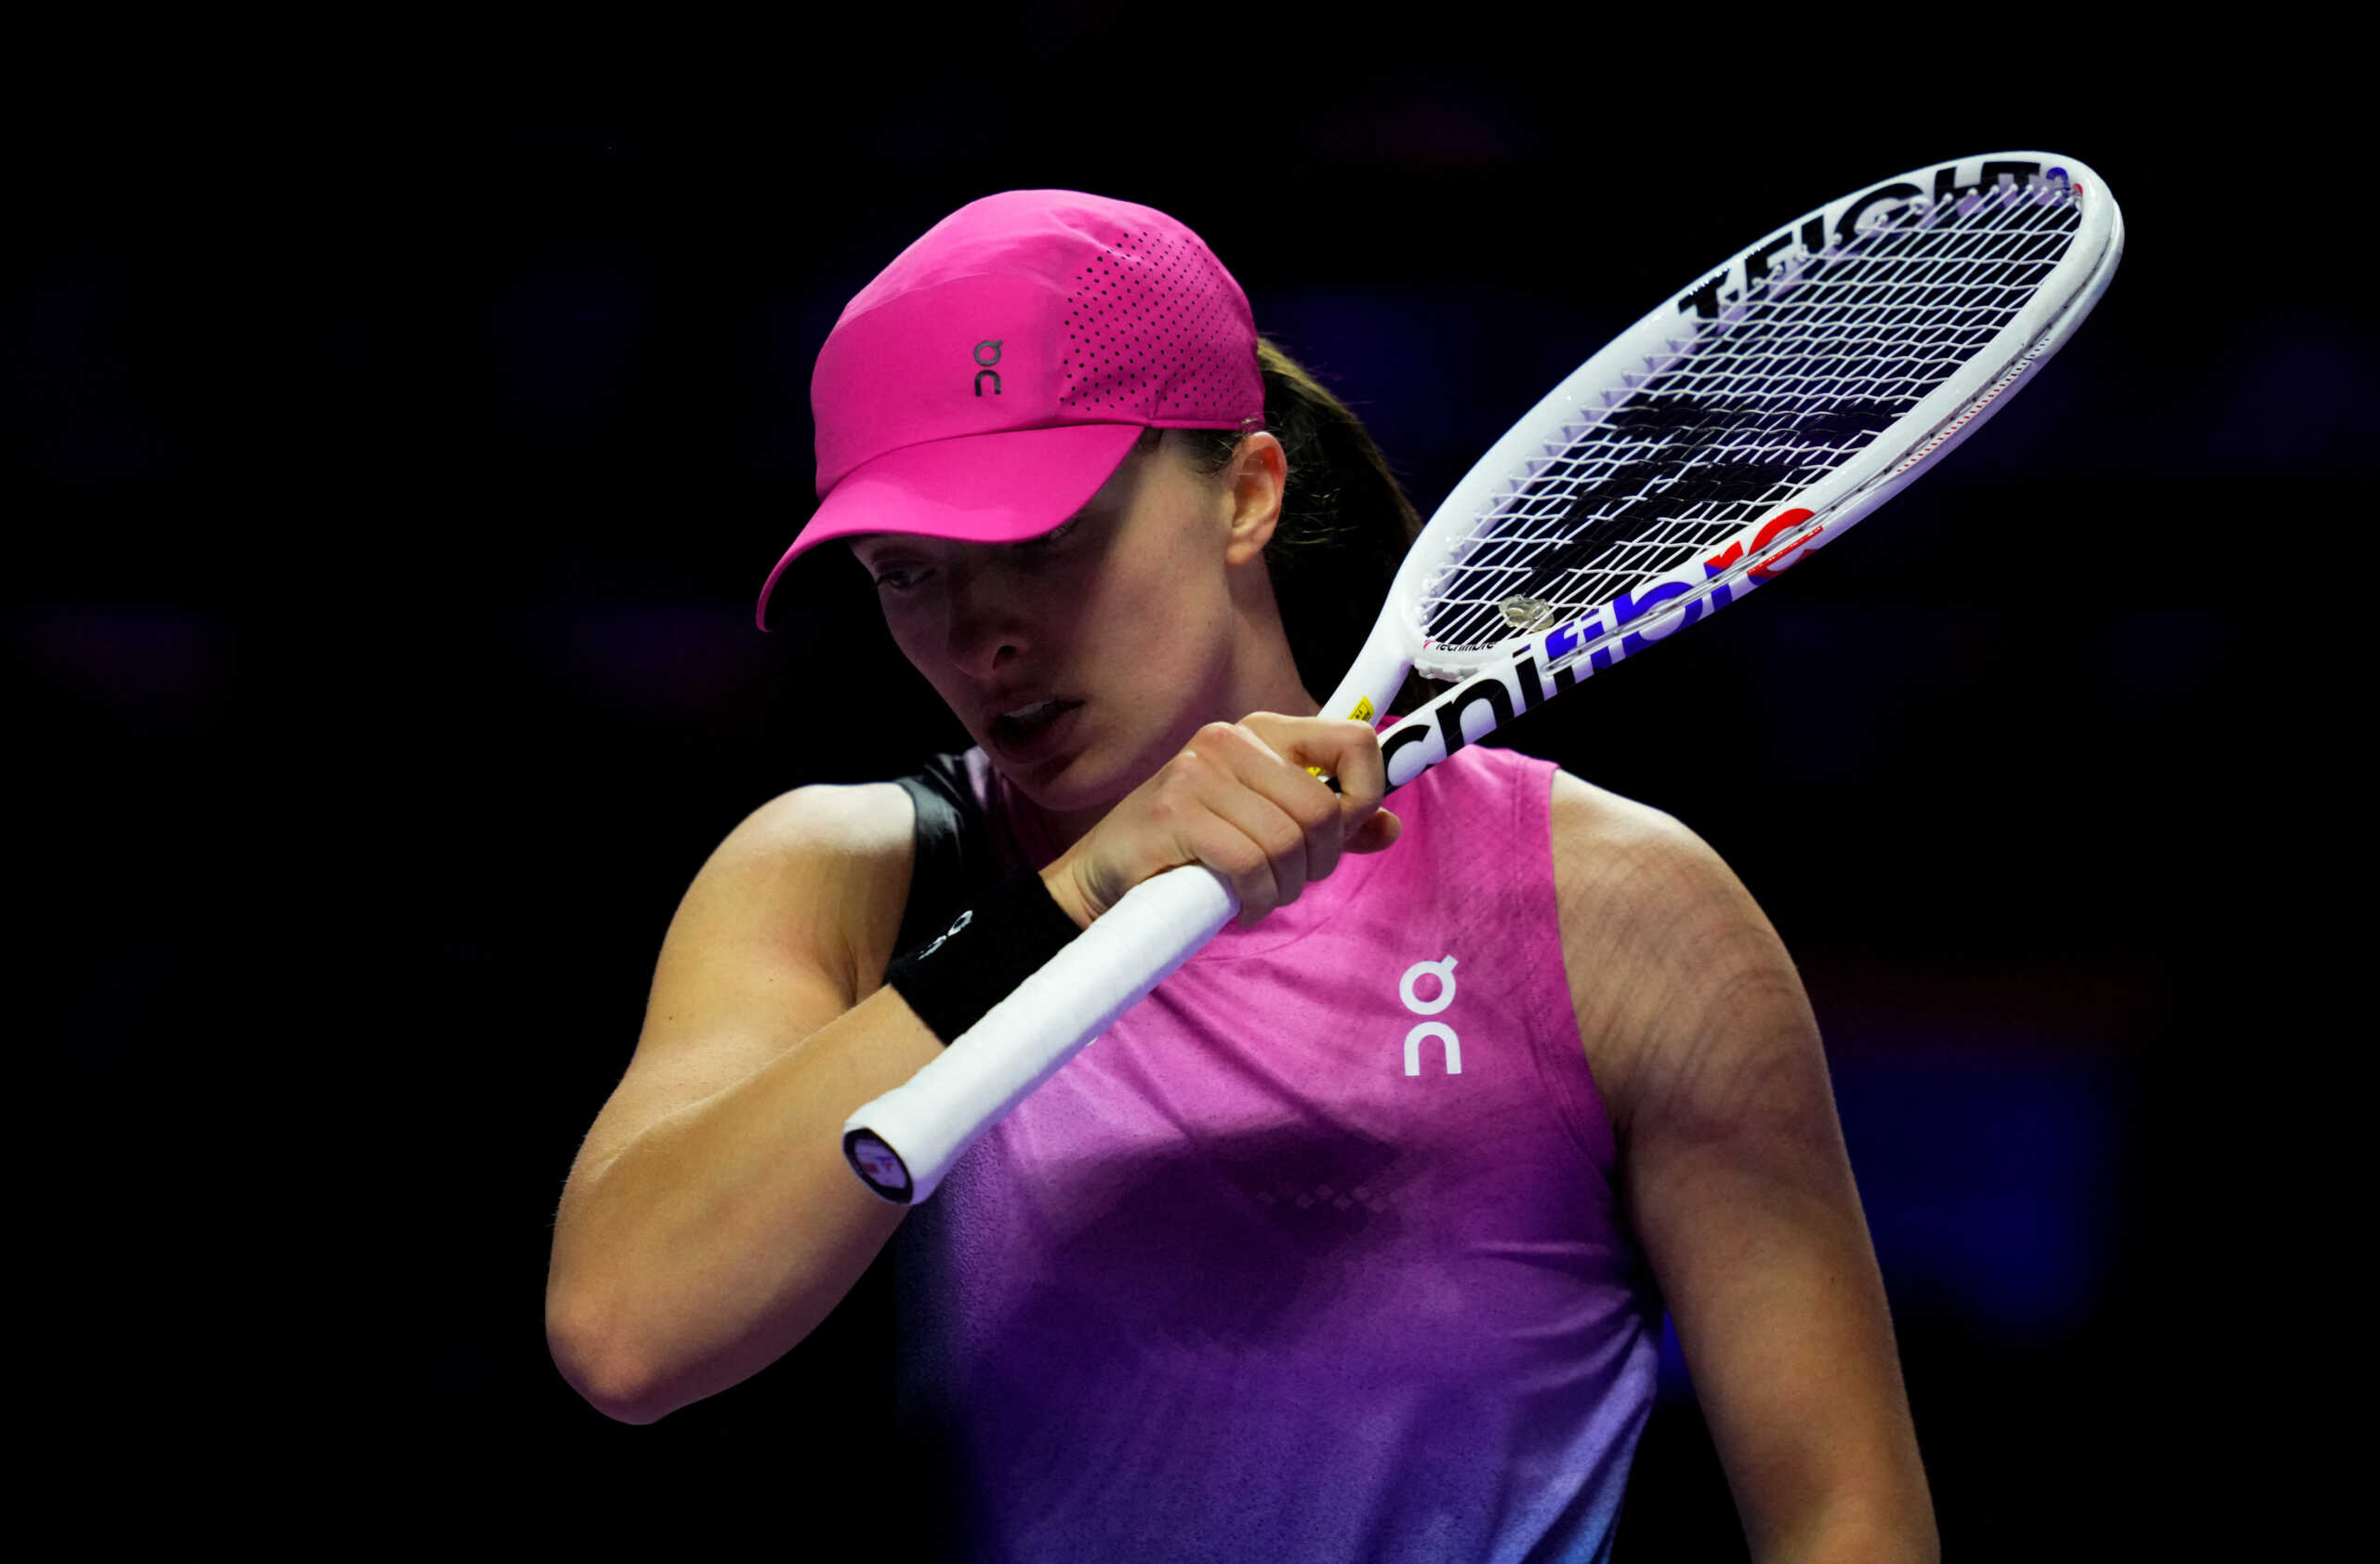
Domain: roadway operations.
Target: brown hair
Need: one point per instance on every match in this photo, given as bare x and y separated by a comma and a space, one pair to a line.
1345, 522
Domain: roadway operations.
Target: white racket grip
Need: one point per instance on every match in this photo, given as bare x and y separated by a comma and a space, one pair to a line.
902, 1143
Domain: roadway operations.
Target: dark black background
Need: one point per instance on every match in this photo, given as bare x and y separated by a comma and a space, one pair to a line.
396, 441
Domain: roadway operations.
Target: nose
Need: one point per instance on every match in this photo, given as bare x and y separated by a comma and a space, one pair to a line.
988, 628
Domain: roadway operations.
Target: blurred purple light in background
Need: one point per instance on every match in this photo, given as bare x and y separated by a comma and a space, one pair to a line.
1992, 1180
1988, 1110
151, 670
668, 668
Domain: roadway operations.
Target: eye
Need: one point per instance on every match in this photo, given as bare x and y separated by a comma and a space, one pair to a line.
1055, 535
898, 576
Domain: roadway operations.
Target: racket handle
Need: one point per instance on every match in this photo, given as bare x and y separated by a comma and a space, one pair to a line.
902, 1143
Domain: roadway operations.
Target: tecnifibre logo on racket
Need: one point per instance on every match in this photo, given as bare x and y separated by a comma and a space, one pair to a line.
1593, 642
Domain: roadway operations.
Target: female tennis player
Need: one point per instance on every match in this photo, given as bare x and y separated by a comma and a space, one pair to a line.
1352, 1241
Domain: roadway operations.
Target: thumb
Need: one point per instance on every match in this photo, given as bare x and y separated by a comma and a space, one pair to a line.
1375, 833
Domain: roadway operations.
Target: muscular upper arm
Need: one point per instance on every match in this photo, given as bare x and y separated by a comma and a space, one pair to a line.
788, 924
1735, 1179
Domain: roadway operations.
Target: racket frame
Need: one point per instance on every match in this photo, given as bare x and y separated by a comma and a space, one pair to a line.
1531, 669
902, 1143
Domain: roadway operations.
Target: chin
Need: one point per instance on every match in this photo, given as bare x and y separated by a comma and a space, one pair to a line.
1088, 778
1066, 786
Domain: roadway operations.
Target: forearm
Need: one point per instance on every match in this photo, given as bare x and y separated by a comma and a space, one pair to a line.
720, 1238
1813, 1422
1860, 1530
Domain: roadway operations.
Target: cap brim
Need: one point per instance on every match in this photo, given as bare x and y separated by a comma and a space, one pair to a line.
982, 488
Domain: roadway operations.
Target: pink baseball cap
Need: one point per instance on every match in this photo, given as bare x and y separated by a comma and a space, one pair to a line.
991, 378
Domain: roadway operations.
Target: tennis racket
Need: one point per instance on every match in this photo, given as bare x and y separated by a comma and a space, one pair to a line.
1729, 434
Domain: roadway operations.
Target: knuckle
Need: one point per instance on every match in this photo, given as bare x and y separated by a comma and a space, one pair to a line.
1241, 859
1316, 808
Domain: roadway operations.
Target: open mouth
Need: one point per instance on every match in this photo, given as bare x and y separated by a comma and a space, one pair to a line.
1035, 732
1022, 726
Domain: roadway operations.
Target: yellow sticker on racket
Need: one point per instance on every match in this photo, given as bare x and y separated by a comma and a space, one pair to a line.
1362, 713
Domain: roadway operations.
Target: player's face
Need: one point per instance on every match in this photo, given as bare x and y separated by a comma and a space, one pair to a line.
1081, 660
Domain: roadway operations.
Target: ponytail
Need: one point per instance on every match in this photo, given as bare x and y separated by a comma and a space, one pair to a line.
1345, 522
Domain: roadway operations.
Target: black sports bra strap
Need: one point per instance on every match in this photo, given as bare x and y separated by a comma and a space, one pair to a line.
955, 859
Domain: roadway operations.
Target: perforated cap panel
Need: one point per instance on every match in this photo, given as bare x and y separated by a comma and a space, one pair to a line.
1157, 332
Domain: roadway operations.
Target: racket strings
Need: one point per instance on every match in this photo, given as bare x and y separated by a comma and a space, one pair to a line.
1752, 406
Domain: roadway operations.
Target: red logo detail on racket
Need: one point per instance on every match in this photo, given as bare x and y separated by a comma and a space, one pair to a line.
1762, 540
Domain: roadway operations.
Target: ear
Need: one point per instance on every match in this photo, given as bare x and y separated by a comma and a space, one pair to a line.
1253, 485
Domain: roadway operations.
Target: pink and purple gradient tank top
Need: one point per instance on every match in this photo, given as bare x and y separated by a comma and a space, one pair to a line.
1316, 1254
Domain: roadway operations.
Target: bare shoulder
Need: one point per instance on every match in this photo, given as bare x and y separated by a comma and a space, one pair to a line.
788, 924
857, 816
821, 872
867, 819
1661, 940
1736, 1183
1633, 882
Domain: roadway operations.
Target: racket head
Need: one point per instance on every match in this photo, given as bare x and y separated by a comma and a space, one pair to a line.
1752, 416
